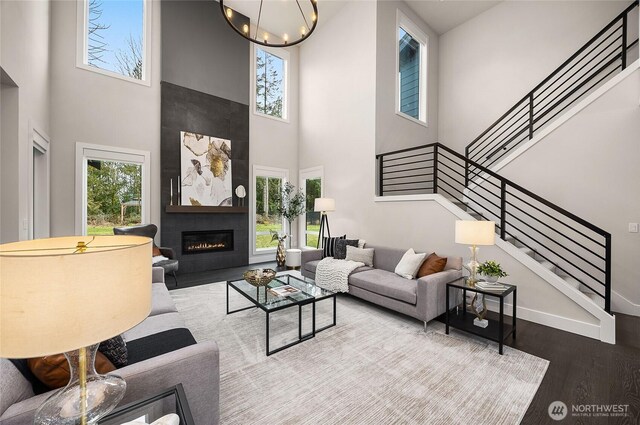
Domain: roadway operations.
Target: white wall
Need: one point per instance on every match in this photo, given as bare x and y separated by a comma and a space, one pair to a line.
92, 108
392, 130
337, 111
490, 62
274, 143
591, 168
24, 56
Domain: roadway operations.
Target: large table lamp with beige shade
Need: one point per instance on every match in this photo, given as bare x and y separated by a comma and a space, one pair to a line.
475, 233
66, 295
323, 206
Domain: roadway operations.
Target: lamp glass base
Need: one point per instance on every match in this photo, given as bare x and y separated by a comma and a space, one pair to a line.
87, 397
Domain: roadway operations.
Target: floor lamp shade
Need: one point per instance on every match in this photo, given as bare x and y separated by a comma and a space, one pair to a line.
324, 205
60, 294
471, 232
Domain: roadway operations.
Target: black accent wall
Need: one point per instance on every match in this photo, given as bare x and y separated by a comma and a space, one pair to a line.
190, 110
205, 89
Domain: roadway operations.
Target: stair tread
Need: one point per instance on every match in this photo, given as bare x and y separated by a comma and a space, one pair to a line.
527, 251
548, 265
573, 282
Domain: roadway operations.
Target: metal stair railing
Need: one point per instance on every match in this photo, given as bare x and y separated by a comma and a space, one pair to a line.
575, 248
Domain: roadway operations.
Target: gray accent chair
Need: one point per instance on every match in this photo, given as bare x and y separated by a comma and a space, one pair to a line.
196, 367
150, 231
423, 299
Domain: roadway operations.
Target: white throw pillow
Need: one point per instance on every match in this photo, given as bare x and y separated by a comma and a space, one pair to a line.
361, 243
409, 264
361, 255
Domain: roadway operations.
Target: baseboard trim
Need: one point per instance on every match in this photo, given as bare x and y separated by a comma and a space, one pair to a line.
620, 304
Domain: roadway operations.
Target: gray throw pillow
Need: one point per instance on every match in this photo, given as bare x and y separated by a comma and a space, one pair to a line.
361, 255
340, 251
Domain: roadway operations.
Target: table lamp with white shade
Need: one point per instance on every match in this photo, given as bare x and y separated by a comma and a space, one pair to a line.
66, 295
323, 206
474, 233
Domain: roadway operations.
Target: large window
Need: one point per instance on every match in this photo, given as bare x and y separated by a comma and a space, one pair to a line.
113, 37
268, 184
411, 68
311, 183
271, 83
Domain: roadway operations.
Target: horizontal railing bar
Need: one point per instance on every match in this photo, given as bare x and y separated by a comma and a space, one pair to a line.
524, 124
495, 205
405, 150
505, 151
407, 183
412, 175
553, 252
497, 122
406, 190
555, 230
478, 175
404, 163
557, 243
556, 219
451, 186
581, 280
583, 58
511, 139
573, 101
409, 156
446, 191
408, 169
455, 171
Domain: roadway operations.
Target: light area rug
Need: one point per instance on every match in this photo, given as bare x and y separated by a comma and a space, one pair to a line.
374, 367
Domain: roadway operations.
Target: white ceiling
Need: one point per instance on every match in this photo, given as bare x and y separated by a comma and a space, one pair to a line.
444, 15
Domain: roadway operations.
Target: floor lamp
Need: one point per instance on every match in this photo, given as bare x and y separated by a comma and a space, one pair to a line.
66, 295
323, 206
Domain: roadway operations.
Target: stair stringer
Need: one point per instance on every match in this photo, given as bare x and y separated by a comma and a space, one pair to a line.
607, 322
566, 116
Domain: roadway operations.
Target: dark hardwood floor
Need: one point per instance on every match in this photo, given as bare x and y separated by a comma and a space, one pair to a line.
581, 370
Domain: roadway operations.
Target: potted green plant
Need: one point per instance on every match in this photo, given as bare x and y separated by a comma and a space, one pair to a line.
290, 204
491, 270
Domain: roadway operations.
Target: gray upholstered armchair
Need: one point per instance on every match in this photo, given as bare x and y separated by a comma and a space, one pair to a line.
150, 230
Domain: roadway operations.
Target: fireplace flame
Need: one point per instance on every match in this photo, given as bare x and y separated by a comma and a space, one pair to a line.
205, 245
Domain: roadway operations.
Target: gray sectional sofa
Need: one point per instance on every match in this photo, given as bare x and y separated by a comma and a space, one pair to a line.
423, 298
196, 366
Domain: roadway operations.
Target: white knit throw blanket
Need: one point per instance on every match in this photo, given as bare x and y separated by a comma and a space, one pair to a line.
334, 274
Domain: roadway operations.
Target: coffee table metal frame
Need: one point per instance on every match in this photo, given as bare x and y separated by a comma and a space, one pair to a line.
300, 303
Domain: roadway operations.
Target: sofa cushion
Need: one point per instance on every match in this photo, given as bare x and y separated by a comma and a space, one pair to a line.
160, 343
329, 245
115, 349
53, 371
386, 283
361, 255
340, 252
311, 266
15, 387
433, 264
161, 301
409, 264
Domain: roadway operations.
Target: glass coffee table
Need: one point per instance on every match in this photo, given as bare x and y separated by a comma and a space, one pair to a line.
261, 297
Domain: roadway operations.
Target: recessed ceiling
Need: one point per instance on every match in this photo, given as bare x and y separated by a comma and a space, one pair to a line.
445, 15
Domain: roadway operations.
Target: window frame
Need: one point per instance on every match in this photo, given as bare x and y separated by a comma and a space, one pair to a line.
304, 175
286, 57
82, 10
406, 24
271, 172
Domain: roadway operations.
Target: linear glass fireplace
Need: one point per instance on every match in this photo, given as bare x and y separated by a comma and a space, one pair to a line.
201, 241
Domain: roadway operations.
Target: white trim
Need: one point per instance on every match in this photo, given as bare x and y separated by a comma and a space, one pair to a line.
402, 21
607, 322
285, 56
85, 151
303, 175
629, 70
621, 304
264, 254
81, 44
39, 140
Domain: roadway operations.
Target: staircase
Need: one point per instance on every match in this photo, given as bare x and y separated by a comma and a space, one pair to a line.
603, 57
576, 252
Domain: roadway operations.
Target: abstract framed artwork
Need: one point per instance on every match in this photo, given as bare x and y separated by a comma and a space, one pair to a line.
205, 167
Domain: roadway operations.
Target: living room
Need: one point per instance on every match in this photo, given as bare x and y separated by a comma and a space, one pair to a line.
336, 123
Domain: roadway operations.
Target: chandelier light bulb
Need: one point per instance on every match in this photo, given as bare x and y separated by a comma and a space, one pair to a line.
286, 38
266, 37
314, 17
245, 28
303, 31
230, 13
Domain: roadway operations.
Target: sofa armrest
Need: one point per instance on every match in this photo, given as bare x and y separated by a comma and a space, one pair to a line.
168, 252
311, 255
157, 275
432, 293
196, 367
